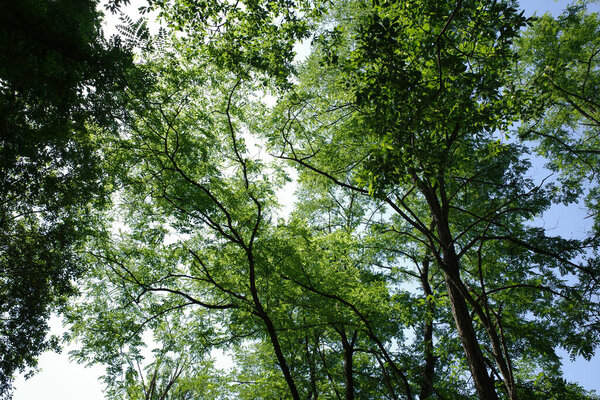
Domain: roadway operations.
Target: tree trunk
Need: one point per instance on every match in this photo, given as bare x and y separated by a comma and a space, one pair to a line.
262, 314
313, 392
348, 360
430, 359
280, 357
484, 384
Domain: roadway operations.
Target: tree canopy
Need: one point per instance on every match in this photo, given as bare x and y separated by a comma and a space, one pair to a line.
58, 79
410, 265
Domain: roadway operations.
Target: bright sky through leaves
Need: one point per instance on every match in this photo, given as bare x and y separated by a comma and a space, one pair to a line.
60, 379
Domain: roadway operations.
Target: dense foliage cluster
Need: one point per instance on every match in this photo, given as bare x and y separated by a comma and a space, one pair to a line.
410, 265
58, 78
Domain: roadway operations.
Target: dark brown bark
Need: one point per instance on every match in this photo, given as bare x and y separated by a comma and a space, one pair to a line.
484, 384
313, 393
326, 370
430, 359
386, 377
348, 360
262, 314
280, 357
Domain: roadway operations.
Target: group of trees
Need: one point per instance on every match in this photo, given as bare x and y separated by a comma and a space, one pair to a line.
410, 266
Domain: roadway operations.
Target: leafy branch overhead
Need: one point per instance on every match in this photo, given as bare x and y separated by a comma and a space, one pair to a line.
408, 263
60, 82
360, 222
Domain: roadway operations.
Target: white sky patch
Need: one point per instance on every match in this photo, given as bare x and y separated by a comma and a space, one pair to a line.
110, 22
59, 378
223, 359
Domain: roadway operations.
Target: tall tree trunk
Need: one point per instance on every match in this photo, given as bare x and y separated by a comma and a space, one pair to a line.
283, 365
313, 392
430, 359
262, 314
348, 361
484, 384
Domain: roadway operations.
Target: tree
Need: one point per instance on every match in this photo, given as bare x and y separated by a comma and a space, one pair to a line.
57, 100
559, 69
404, 104
238, 276
409, 266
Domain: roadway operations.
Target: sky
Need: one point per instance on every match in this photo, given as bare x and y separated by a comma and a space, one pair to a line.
60, 379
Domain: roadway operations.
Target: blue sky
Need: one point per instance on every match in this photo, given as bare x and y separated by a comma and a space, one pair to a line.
568, 221
60, 379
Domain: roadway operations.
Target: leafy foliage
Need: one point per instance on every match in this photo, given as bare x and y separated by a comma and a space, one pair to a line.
560, 58
409, 266
58, 80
